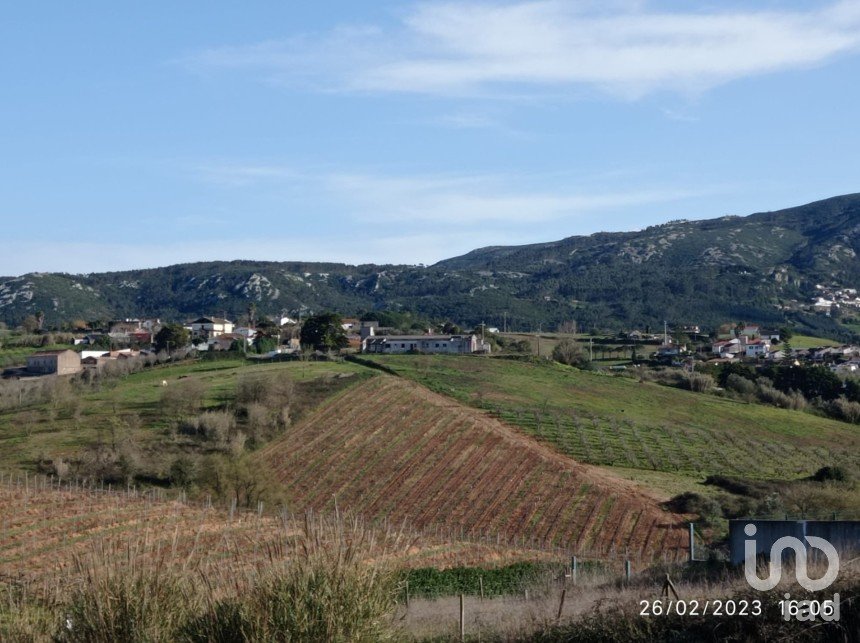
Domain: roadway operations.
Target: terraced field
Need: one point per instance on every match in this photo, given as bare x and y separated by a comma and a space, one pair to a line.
390, 448
44, 530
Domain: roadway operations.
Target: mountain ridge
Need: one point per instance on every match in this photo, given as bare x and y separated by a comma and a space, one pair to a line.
763, 266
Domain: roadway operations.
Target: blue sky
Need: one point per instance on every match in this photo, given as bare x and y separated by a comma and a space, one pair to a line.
144, 134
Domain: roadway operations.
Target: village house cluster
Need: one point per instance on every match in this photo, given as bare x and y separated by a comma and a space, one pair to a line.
130, 338
828, 299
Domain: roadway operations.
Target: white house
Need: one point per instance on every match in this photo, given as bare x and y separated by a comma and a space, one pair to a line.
757, 348
209, 327
727, 348
247, 333
846, 368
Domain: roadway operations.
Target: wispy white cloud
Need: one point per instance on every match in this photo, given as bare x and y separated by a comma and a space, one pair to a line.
480, 200
369, 218
465, 200
626, 48
474, 120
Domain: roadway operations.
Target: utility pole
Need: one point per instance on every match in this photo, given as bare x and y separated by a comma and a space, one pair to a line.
665, 333
538, 339
505, 321
590, 349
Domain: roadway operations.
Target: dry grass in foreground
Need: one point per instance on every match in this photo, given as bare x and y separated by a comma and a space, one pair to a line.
602, 608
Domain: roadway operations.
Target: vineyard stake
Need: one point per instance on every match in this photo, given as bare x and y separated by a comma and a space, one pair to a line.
561, 604
462, 618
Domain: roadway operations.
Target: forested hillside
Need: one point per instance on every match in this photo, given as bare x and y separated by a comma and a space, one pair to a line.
763, 267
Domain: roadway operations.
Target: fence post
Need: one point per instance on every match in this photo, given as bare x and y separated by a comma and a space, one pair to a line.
573, 569
627, 570
481, 583
561, 604
692, 542
462, 618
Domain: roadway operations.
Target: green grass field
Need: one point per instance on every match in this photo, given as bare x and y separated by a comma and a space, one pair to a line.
808, 341
621, 422
131, 407
605, 354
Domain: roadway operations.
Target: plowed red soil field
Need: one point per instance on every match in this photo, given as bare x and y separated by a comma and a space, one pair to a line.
389, 448
44, 530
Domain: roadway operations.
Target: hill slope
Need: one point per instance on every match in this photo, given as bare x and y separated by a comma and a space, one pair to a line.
390, 448
687, 271
619, 421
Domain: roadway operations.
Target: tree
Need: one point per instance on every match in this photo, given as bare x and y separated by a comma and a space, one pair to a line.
183, 472
324, 332
571, 353
30, 324
264, 344
785, 333
449, 328
171, 336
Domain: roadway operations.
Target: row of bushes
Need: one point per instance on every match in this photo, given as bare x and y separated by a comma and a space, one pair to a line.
831, 490
753, 387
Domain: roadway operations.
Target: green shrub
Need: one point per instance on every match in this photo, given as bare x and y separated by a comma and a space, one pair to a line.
183, 472
571, 353
698, 382
708, 509
740, 385
325, 591
24, 619
501, 581
836, 473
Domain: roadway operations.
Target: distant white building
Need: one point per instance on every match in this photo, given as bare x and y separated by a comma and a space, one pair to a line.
823, 305
846, 368
350, 324
727, 348
209, 327
444, 344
